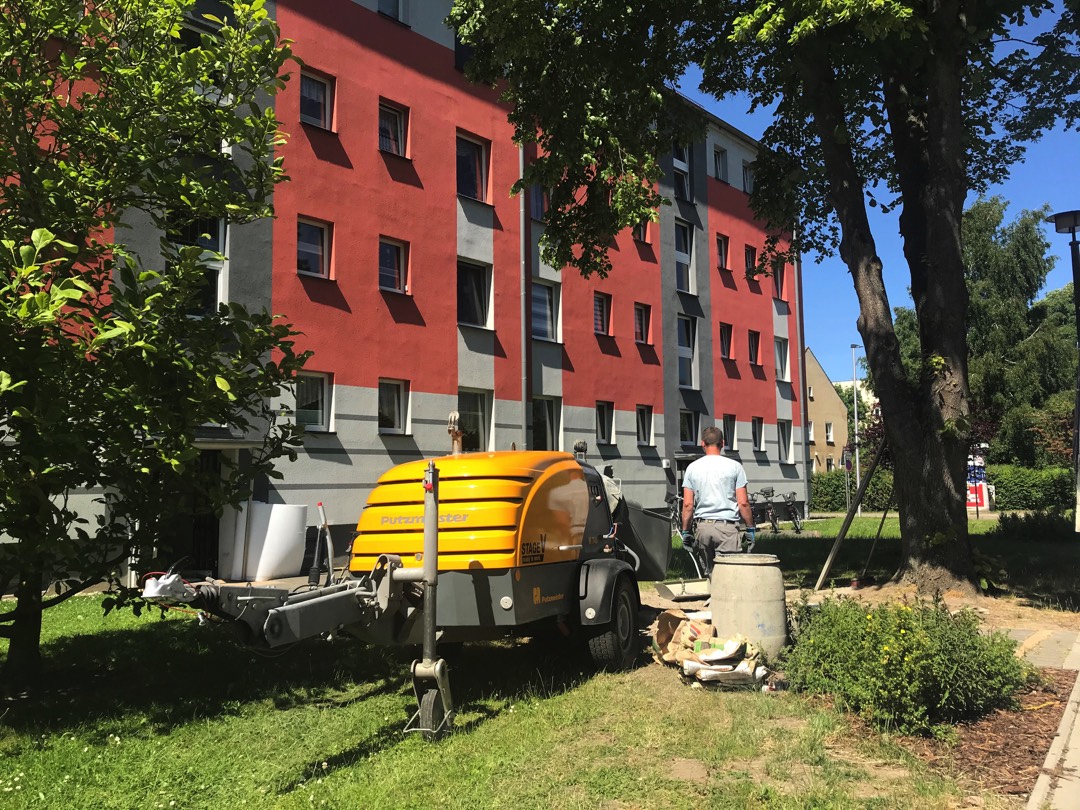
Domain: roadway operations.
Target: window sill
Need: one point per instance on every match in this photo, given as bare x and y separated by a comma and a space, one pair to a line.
689, 388
393, 291
484, 203
552, 341
318, 126
643, 342
395, 155
303, 274
478, 327
389, 432
393, 19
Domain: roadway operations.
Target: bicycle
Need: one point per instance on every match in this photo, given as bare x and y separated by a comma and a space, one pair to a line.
768, 510
793, 512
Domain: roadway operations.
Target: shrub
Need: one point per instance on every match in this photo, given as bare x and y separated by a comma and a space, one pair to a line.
1041, 526
905, 667
827, 491
1026, 488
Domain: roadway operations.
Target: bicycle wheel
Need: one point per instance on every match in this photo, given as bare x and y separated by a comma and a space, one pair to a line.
796, 520
773, 521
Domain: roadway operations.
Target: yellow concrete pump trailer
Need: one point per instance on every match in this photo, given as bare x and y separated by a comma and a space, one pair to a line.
461, 548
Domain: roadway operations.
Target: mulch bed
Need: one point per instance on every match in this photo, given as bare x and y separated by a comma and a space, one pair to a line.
1004, 752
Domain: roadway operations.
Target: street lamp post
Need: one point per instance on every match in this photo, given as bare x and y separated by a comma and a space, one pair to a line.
855, 403
1069, 222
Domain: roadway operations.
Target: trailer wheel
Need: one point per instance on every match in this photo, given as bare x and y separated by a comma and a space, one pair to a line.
432, 714
614, 646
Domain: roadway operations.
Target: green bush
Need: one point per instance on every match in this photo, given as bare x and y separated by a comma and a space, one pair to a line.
827, 491
907, 668
1041, 526
1026, 488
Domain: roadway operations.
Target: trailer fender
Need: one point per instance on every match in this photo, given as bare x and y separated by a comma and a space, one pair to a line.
596, 588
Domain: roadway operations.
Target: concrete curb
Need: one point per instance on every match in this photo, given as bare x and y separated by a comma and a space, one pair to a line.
1064, 748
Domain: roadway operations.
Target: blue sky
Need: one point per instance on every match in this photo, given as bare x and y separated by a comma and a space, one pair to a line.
1049, 173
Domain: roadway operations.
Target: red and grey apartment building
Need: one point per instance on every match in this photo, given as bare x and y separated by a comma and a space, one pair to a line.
416, 280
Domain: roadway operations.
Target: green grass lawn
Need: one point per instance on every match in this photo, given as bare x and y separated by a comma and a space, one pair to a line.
158, 712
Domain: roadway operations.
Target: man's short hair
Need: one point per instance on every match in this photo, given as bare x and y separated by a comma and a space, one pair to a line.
713, 437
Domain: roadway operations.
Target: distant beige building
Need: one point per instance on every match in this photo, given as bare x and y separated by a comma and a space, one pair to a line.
826, 426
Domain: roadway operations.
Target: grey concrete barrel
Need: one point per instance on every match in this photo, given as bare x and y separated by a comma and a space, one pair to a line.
747, 597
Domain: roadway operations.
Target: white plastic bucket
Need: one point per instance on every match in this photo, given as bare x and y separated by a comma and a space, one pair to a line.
276, 536
747, 597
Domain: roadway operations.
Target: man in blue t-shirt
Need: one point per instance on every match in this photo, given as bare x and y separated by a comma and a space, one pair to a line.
714, 493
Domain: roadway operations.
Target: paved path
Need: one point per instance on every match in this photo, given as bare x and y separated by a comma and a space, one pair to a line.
1058, 786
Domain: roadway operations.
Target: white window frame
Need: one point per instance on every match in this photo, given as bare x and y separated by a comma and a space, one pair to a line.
326, 120
602, 314
779, 278
324, 421
482, 297
753, 347
641, 232
720, 163
830, 436
784, 435
692, 421
538, 202
400, 125
830, 464
642, 323
645, 425
684, 277
680, 164
395, 10
400, 390
552, 409
401, 269
687, 349
783, 365
810, 431
605, 422
723, 244
549, 298
483, 418
810, 392
214, 258
482, 169
747, 177
727, 336
326, 231
757, 433
731, 432
750, 259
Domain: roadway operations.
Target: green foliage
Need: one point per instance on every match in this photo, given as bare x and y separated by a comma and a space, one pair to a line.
105, 375
1036, 526
828, 491
1026, 488
905, 667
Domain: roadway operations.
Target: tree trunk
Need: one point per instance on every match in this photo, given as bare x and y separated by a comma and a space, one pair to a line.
22, 669
925, 428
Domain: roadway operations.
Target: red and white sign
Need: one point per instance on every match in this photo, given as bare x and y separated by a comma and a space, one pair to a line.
976, 496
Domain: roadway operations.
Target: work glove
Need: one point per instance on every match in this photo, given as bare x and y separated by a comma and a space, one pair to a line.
751, 533
687, 540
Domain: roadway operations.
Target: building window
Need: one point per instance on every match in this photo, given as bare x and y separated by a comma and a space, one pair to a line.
474, 419
753, 344
781, 346
830, 465
313, 396
473, 293
642, 323
810, 391
688, 427
316, 101
725, 341
757, 433
313, 248
810, 431
721, 251
641, 232
685, 330
544, 303
395, 9
393, 266
719, 157
605, 413
731, 439
601, 313
680, 164
545, 423
783, 433
644, 425
392, 129
471, 169
208, 234
682, 256
750, 258
747, 177
829, 433
778, 281
393, 406
538, 202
